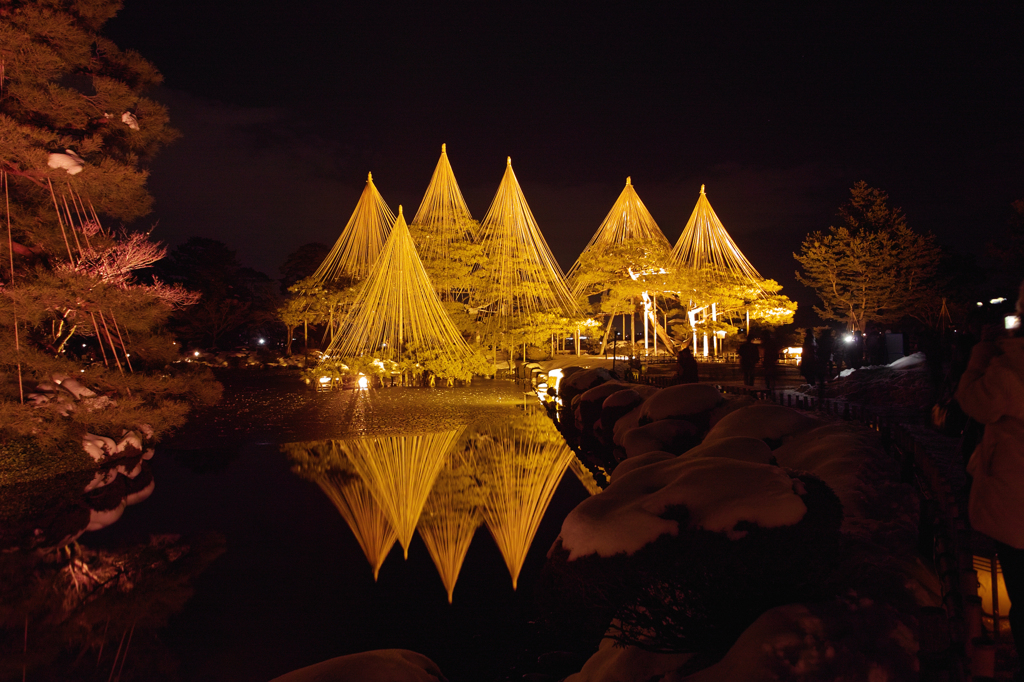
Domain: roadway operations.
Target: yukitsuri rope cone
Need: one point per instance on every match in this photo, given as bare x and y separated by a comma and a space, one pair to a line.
627, 221
396, 307
400, 472
443, 218
361, 241
523, 276
450, 519
522, 470
707, 249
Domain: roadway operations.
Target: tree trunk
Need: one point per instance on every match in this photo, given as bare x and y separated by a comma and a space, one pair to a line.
607, 330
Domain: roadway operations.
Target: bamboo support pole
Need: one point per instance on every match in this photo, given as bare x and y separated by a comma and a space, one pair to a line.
99, 339
67, 244
14, 309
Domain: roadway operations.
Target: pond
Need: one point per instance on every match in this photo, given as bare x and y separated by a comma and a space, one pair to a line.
257, 551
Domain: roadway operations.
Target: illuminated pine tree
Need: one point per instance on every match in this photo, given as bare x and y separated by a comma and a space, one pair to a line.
523, 297
76, 135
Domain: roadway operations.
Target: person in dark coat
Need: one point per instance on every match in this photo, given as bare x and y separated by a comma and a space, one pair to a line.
749, 355
809, 358
826, 342
686, 372
771, 359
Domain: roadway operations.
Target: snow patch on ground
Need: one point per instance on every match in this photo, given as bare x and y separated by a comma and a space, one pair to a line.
383, 665
614, 663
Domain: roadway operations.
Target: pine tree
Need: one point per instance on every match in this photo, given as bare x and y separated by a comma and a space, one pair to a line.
873, 268
83, 349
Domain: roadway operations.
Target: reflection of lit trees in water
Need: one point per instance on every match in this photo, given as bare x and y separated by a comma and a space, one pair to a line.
400, 471
521, 466
79, 613
388, 487
451, 517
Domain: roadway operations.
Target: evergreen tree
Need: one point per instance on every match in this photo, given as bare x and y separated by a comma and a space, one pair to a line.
83, 349
873, 268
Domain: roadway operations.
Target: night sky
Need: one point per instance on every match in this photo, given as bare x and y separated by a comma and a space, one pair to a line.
285, 106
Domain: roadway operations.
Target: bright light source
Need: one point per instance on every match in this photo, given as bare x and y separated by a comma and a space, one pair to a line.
83, 371
364, 383
794, 350
997, 301
196, 354
850, 338
325, 380
83, 345
262, 341
980, 304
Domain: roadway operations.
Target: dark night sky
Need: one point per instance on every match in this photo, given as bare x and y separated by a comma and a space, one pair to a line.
285, 106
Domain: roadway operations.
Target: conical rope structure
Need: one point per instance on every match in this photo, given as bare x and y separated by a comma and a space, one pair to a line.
706, 248
523, 276
327, 463
522, 472
398, 307
443, 215
450, 519
400, 472
627, 221
360, 243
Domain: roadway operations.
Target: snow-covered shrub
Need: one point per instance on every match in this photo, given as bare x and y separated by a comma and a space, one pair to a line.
731, 539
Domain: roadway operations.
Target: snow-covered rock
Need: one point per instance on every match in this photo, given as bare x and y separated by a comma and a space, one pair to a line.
383, 665
615, 663
680, 402
627, 465
69, 161
767, 422
718, 492
580, 382
101, 518
616, 406
669, 435
588, 410
842, 640
730, 406
624, 425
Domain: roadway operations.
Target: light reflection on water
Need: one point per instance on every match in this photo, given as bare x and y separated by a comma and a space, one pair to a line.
444, 485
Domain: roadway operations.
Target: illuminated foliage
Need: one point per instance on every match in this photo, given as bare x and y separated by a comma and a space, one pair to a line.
872, 269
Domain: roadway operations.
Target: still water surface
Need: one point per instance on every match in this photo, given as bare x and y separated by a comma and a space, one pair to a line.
310, 491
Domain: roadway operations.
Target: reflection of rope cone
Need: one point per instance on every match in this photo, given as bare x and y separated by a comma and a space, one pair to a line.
449, 521
362, 514
522, 475
400, 471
